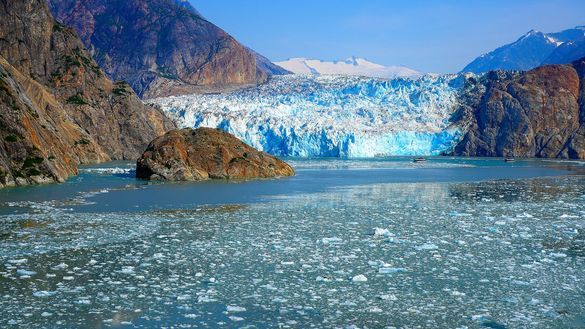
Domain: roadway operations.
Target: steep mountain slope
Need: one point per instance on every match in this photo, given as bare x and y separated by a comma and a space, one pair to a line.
539, 113
532, 50
161, 47
58, 108
352, 66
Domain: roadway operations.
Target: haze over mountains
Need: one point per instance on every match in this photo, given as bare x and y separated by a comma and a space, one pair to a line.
353, 66
532, 50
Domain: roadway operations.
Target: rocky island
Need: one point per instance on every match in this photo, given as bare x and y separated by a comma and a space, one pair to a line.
203, 154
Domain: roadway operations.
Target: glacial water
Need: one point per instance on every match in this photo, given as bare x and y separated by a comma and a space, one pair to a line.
373, 243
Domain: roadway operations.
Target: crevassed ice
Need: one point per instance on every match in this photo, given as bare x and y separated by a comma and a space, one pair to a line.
335, 116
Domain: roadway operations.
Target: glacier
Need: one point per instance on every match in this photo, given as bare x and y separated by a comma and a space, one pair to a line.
331, 116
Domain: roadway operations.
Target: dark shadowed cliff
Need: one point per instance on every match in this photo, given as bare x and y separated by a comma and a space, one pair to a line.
162, 47
58, 109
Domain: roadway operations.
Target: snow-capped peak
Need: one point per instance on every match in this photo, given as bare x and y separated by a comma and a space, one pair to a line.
352, 66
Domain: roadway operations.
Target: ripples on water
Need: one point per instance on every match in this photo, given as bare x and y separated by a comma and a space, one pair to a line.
498, 254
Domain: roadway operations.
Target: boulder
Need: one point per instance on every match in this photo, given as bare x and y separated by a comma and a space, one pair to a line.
205, 153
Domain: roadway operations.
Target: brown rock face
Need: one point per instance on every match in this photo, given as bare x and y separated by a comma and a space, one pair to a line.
539, 113
204, 153
162, 47
58, 109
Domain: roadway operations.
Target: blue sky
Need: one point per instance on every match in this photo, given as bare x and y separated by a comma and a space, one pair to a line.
432, 36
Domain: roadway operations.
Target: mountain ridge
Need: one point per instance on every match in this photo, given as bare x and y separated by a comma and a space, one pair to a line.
162, 47
352, 66
531, 50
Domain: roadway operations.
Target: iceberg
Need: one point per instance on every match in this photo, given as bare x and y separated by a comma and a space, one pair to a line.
331, 116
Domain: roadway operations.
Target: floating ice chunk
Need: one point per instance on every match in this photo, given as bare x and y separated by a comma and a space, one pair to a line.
381, 233
389, 297
427, 246
390, 270
566, 216
359, 278
18, 261
235, 309
236, 318
333, 240
46, 314
25, 273
558, 255
457, 293
127, 270
42, 293
375, 309
61, 266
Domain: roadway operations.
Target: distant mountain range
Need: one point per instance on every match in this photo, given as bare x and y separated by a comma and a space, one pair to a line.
532, 50
162, 47
352, 66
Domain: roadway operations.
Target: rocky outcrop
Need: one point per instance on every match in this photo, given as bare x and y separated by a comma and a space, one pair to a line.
58, 109
539, 113
162, 47
204, 153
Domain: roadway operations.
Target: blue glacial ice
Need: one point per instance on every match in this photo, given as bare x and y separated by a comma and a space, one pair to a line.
331, 116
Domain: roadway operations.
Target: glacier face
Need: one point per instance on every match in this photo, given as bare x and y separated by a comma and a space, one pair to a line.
331, 116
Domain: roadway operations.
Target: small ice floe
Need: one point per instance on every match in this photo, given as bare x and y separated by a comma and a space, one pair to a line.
84, 302
389, 297
330, 241
387, 269
566, 216
18, 261
456, 293
25, 274
42, 293
380, 233
236, 318
359, 278
61, 266
427, 246
211, 281
558, 255
46, 314
235, 309
127, 270
92, 262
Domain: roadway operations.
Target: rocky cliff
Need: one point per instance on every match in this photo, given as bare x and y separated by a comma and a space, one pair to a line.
59, 109
162, 47
539, 113
205, 153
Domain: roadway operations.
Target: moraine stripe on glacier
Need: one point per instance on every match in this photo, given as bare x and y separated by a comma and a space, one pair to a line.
332, 116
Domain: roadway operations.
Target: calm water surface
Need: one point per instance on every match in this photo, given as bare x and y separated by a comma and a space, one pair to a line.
451, 243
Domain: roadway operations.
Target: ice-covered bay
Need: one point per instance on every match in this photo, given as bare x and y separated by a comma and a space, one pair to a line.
496, 253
